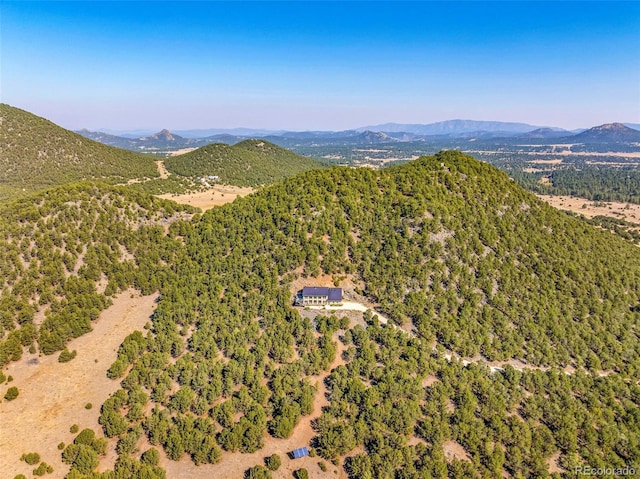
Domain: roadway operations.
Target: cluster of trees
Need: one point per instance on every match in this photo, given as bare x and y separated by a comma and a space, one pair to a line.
622, 228
55, 250
33, 458
586, 181
84, 453
224, 385
173, 184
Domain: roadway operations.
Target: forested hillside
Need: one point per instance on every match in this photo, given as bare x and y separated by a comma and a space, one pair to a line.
35, 154
461, 259
64, 252
248, 163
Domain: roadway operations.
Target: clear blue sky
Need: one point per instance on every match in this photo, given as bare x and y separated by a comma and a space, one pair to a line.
320, 65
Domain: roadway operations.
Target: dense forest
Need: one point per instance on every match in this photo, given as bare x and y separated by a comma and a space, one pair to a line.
590, 182
460, 258
248, 163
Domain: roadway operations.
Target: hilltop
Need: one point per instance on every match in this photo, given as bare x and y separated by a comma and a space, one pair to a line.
248, 163
608, 133
35, 153
544, 133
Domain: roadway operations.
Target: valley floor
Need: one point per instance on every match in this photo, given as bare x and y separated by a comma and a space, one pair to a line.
624, 211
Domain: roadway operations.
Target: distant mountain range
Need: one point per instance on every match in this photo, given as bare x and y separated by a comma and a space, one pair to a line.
544, 133
380, 134
195, 133
161, 140
456, 127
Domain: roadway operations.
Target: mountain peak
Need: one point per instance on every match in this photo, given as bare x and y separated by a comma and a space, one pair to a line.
165, 135
611, 126
609, 132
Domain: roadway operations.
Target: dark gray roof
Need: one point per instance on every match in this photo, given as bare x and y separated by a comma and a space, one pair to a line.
334, 294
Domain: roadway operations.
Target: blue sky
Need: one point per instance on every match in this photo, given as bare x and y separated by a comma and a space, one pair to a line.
320, 65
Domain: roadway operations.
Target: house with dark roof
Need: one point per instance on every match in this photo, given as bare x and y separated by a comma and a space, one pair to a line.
318, 296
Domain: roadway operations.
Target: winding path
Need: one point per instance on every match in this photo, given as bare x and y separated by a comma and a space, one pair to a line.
162, 170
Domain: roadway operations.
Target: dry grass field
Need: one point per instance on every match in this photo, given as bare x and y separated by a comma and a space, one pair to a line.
53, 395
625, 211
215, 196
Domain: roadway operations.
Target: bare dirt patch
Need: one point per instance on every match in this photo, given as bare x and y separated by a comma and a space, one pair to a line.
453, 450
625, 211
429, 381
53, 395
205, 200
554, 466
182, 151
556, 161
162, 170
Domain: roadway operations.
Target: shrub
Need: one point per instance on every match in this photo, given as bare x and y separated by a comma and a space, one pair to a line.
88, 405
150, 457
11, 394
61, 446
31, 458
273, 462
42, 469
20, 476
66, 356
301, 474
258, 472
74, 429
